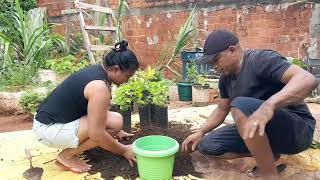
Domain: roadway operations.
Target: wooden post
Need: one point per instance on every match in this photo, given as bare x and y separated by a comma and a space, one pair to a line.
67, 27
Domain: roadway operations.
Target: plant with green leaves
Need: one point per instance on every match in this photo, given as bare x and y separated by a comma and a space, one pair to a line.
296, 62
31, 100
27, 40
9, 5
192, 72
129, 93
66, 65
159, 93
186, 33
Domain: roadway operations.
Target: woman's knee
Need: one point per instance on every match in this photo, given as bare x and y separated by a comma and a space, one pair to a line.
114, 121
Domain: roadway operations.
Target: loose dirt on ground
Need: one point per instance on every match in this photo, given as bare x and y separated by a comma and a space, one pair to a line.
111, 166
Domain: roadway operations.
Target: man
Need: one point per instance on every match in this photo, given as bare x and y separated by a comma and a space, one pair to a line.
265, 96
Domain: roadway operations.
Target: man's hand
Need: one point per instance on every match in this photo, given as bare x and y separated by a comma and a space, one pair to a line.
193, 139
258, 120
129, 155
121, 135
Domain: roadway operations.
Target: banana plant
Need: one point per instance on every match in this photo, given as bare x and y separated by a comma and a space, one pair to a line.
183, 39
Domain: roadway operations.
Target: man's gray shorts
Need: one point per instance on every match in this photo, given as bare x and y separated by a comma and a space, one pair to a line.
57, 135
288, 132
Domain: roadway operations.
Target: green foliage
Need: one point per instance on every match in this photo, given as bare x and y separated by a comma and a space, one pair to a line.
159, 92
315, 144
19, 76
192, 72
186, 33
124, 96
9, 5
143, 88
193, 75
66, 65
31, 100
296, 62
26, 40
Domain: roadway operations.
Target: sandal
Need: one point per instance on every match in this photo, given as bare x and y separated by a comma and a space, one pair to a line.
253, 172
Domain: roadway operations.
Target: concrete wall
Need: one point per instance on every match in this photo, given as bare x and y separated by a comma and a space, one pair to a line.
149, 26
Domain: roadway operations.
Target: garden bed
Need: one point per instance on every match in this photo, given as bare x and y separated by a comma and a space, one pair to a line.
110, 165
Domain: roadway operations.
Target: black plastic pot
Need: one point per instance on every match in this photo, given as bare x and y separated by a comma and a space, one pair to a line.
159, 116
145, 115
126, 115
126, 120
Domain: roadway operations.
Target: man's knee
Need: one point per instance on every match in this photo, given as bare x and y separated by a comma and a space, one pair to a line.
246, 105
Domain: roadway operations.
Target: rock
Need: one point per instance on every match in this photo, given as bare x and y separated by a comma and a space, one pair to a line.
9, 102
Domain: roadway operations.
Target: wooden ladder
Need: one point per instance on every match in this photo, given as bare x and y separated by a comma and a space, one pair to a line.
84, 27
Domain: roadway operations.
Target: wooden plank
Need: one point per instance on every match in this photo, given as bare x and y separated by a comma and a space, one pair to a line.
86, 39
92, 7
100, 48
69, 11
100, 28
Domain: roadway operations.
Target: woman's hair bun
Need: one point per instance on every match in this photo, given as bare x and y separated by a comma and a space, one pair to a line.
121, 46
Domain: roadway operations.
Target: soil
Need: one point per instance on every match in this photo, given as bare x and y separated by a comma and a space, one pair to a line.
19, 122
111, 166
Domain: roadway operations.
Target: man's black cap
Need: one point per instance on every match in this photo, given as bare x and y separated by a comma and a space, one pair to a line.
216, 42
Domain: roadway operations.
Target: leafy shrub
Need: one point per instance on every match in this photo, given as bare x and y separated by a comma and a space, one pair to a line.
143, 88
31, 100
66, 65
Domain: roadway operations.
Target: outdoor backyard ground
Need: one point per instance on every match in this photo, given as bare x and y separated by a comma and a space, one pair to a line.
13, 161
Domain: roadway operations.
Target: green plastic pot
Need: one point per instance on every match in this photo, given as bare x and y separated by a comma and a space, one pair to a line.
155, 156
185, 91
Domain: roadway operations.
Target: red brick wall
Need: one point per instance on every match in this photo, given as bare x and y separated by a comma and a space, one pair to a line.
272, 27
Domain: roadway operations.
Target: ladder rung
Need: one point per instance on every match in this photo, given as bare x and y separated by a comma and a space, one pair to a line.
100, 28
82, 5
100, 48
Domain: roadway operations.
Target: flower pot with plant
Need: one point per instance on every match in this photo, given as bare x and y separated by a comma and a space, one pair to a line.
159, 92
200, 92
123, 103
185, 87
152, 97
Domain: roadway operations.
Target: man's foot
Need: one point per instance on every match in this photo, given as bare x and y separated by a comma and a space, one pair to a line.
254, 173
74, 163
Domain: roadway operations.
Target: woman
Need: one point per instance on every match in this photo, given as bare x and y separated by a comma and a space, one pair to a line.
75, 116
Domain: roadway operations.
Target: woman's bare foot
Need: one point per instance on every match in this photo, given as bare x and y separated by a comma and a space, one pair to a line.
72, 163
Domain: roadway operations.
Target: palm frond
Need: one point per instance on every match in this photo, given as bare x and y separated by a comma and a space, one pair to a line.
184, 37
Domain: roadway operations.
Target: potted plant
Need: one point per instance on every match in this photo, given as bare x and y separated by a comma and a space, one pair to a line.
185, 87
123, 102
159, 92
151, 95
200, 92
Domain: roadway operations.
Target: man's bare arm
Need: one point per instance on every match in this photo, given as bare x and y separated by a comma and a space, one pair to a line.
217, 117
299, 84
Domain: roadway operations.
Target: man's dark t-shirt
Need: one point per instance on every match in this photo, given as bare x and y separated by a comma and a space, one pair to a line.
259, 77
